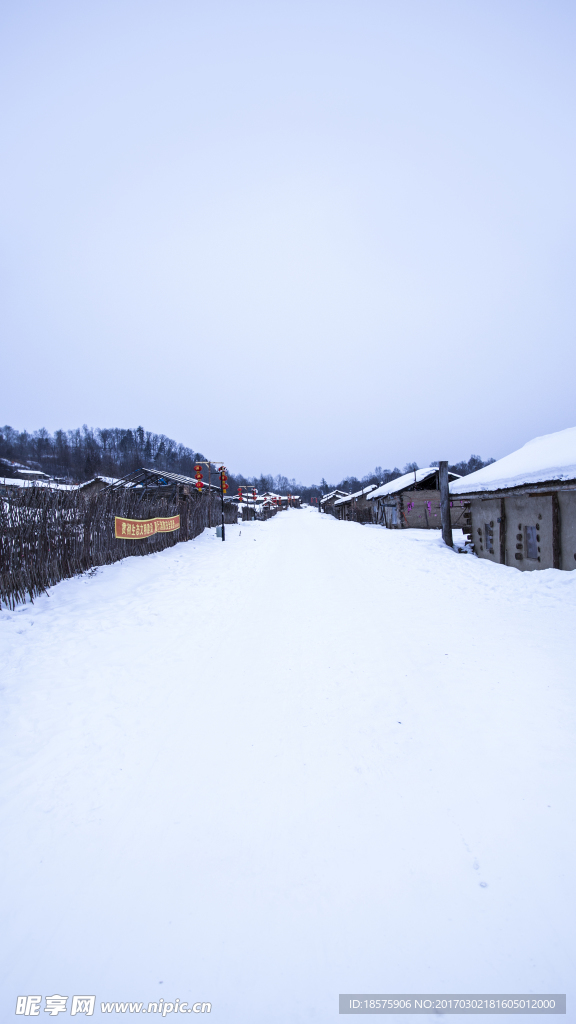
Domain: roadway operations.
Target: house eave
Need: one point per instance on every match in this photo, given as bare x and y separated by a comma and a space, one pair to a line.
535, 487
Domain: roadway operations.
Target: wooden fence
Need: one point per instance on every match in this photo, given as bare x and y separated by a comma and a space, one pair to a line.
47, 536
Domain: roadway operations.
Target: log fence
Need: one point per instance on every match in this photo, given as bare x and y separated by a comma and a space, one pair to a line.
47, 536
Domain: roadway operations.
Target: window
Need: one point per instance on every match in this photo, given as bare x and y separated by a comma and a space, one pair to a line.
531, 542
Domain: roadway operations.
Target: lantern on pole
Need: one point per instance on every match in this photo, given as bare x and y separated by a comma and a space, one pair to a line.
239, 494
199, 477
223, 489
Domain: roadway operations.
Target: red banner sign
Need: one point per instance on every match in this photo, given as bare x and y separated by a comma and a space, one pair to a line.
139, 529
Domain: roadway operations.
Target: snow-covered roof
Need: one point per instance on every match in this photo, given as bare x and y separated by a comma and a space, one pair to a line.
10, 481
357, 494
401, 482
550, 457
25, 471
104, 479
331, 494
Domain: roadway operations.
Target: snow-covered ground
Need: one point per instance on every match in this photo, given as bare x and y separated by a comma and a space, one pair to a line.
318, 758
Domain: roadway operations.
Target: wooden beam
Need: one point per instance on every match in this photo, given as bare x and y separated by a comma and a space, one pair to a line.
502, 532
445, 504
555, 530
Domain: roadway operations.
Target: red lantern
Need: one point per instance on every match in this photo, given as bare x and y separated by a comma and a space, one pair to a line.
199, 478
239, 494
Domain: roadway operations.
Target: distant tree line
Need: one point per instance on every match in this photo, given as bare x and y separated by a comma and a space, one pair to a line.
78, 455
383, 476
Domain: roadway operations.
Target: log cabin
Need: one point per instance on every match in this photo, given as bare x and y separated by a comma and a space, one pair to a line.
355, 507
412, 501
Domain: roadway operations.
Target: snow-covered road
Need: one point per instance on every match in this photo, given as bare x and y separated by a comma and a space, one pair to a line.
318, 758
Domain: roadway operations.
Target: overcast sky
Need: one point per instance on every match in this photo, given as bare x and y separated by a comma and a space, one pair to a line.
302, 236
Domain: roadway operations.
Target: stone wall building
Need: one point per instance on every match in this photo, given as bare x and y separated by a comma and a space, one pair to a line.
521, 510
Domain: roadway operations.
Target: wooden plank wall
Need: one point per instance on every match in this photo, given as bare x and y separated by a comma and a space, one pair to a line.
47, 536
421, 510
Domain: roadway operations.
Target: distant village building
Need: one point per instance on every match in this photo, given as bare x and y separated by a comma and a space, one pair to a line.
282, 500
97, 484
412, 501
265, 505
328, 501
12, 484
522, 508
160, 483
355, 507
17, 471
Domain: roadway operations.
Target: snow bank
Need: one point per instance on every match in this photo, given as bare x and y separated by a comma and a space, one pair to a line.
550, 457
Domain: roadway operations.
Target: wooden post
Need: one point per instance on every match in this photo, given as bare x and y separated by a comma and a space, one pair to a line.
222, 498
209, 496
502, 532
445, 504
555, 531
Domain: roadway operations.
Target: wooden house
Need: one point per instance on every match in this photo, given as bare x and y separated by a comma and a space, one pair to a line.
14, 484
282, 500
160, 483
97, 484
328, 501
18, 471
355, 507
411, 501
521, 509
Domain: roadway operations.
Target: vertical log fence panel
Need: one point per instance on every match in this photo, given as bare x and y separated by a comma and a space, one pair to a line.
47, 536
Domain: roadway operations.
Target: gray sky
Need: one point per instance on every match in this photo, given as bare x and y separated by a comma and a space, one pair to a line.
302, 236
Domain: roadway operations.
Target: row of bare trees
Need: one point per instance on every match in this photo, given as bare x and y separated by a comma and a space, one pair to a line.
77, 455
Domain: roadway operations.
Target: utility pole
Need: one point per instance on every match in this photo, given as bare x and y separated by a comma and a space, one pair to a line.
445, 504
208, 462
